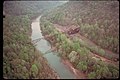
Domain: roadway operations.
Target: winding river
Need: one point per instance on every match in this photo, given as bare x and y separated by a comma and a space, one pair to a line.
43, 46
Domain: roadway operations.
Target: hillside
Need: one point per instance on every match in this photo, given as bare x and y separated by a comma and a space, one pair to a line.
98, 21
28, 7
31, 8
57, 40
86, 33
21, 60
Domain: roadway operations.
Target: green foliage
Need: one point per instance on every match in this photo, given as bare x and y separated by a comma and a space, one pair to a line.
73, 56
95, 21
103, 70
95, 69
38, 64
76, 46
101, 30
83, 51
101, 51
63, 38
82, 65
31, 8
114, 71
34, 70
24, 56
58, 17
59, 38
18, 51
47, 27
92, 75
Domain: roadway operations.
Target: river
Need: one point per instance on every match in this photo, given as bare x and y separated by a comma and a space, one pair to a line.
43, 46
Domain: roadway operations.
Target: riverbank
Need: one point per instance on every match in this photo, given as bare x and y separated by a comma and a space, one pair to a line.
21, 60
78, 74
53, 60
47, 72
73, 50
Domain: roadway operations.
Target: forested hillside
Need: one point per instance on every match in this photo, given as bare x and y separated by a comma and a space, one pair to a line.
20, 58
98, 21
83, 37
28, 7
31, 8
93, 48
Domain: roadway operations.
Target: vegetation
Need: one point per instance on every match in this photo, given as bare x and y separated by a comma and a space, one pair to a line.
98, 21
91, 75
34, 70
29, 8
82, 65
77, 53
20, 58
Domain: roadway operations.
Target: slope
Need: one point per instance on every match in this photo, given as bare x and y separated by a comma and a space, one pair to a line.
98, 21
20, 58
98, 24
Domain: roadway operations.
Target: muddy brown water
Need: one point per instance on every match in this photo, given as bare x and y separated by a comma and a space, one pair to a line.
43, 46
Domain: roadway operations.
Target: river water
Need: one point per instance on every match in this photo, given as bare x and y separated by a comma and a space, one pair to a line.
43, 46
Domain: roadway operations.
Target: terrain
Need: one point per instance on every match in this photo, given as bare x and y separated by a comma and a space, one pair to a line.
21, 60
98, 21
94, 48
83, 37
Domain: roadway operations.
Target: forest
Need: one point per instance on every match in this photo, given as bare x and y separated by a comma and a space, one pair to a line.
83, 34
20, 58
97, 21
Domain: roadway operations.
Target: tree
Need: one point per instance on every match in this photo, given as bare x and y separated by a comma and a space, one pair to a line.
82, 65
34, 70
72, 56
92, 75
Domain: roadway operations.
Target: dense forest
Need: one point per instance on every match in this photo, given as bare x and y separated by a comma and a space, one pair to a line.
98, 21
88, 15
28, 7
20, 58
86, 33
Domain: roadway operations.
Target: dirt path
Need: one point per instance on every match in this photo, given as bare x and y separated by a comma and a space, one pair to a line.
63, 29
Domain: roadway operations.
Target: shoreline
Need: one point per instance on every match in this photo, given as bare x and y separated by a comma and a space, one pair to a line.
56, 76
67, 63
